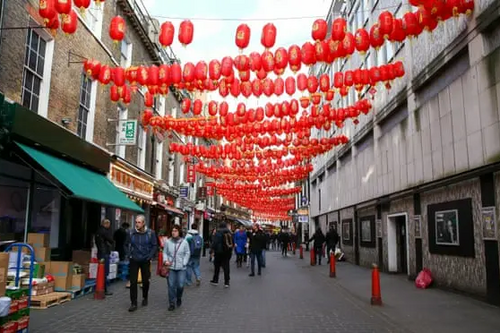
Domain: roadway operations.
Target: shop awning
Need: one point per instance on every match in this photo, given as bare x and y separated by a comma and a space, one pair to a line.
246, 223
172, 209
83, 183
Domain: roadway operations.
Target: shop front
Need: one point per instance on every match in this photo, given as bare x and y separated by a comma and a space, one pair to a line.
136, 184
51, 184
163, 212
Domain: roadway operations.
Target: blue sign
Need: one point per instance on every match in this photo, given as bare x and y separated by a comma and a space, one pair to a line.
184, 192
304, 200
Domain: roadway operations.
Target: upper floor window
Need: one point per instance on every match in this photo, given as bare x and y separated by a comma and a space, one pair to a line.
93, 18
84, 108
34, 63
126, 53
141, 147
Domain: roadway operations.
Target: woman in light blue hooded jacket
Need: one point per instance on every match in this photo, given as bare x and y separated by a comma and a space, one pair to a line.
176, 256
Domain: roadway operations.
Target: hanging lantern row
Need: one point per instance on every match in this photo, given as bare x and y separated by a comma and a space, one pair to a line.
167, 33
231, 127
258, 190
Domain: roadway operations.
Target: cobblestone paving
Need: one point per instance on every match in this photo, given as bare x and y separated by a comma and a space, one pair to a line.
288, 297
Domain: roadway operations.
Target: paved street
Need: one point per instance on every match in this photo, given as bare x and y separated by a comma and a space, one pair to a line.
291, 296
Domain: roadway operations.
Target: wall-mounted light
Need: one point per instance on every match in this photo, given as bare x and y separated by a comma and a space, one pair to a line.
66, 121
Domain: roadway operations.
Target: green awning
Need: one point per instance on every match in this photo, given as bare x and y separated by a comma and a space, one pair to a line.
83, 183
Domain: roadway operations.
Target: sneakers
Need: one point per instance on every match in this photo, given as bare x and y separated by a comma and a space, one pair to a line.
132, 308
226, 285
213, 283
171, 307
198, 282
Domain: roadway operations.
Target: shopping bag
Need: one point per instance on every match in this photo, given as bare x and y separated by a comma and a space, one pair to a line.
424, 279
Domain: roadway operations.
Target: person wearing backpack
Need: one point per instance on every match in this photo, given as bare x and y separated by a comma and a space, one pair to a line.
222, 247
141, 247
195, 242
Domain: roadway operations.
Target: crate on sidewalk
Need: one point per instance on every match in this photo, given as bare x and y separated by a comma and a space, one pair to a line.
87, 289
49, 300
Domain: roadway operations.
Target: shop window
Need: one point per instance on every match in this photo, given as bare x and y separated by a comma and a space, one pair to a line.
122, 115
141, 148
34, 62
13, 203
45, 213
84, 108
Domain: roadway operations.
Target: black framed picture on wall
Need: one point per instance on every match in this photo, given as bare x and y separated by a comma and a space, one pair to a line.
451, 228
347, 232
367, 231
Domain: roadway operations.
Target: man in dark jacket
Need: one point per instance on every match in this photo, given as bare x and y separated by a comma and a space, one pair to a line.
104, 244
222, 247
332, 238
258, 242
120, 238
141, 246
319, 240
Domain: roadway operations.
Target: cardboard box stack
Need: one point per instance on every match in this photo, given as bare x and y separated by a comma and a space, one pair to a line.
41, 247
4, 263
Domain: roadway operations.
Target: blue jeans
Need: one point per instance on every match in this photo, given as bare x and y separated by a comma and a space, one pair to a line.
263, 258
176, 280
106, 268
254, 255
193, 266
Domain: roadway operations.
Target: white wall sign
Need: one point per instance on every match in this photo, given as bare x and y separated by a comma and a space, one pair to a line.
128, 132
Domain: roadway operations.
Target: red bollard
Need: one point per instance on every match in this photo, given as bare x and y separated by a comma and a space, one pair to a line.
160, 262
376, 294
333, 271
100, 282
313, 258
301, 251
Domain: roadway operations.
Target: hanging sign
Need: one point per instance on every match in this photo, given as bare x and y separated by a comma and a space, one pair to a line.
202, 193
127, 132
184, 192
210, 188
191, 173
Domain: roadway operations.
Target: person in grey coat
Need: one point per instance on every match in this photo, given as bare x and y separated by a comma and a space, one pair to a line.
176, 256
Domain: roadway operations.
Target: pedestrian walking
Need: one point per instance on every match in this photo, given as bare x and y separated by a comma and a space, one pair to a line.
176, 256
332, 238
319, 240
104, 243
195, 242
257, 244
120, 238
240, 241
222, 247
141, 246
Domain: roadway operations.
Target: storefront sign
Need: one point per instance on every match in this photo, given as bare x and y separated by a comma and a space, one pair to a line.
128, 132
191, 173
184, 192
202, 193
210, 188
130, 183
488, 215
162, 199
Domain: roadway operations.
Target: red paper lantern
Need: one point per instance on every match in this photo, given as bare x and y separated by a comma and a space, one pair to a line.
268, 37
319, 30
268, 87
167, 32
426, 20
301, 82
267, 61
410, 25
148, 99
242, 38
280, 58
294, 58
256, 88
398, 33
118, 76
246, 89
214, 70
338, 80
399, 70
223, 89
290, 85
330, 94
349, 44
376, 37
362, 40
227, 66
467, 6
114, 94
117, 29
185, 105
197, 107
47, 10
176, 73
245, 76
223, 109
235, 88
255, 62
82, 5
312, 84
92, 68
188, 72
105, 75
201, 71
339, 28
324, 83
212, 108
386, 23
63, 7
186, 31
321, 51
153, 76
348, 78
308, 54
70, 23
279, 86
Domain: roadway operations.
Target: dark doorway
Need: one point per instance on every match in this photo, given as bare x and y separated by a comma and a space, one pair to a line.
401, 235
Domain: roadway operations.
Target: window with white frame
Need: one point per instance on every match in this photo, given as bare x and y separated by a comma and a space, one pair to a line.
34, 64
141, 148
126, 53
93, 19
84, 107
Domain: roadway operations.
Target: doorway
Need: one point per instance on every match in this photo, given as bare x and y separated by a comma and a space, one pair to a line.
397, 243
